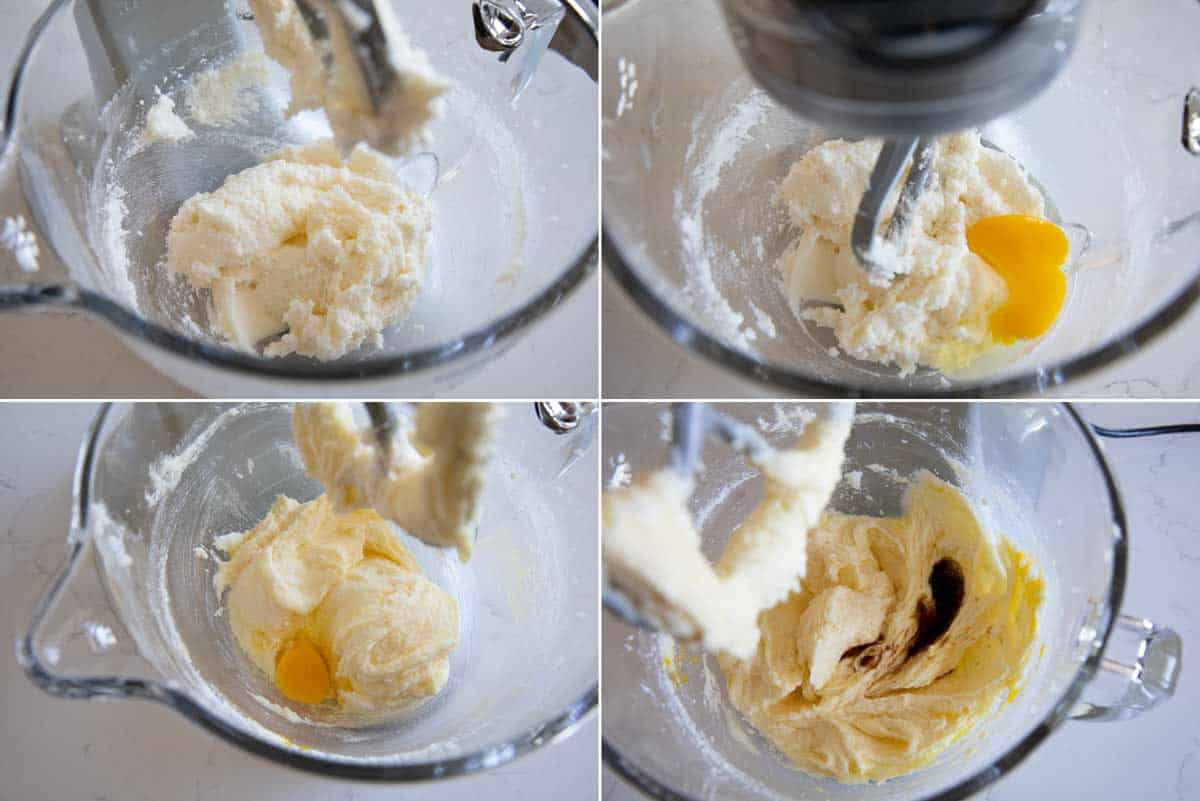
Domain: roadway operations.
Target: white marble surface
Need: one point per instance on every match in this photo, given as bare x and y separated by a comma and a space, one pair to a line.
641, 362
55, 750
1156, 756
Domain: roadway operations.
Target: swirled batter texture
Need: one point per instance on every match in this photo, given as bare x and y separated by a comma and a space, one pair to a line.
334, 608
904, 634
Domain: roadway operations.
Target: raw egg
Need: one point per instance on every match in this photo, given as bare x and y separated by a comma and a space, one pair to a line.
301, 673
1029, 254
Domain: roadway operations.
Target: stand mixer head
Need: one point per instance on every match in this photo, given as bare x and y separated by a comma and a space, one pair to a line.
904, 71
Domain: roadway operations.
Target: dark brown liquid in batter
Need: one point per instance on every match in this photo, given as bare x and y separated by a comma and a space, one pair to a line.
936, 613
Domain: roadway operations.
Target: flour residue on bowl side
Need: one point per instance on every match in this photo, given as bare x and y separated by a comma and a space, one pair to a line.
716, 704
166, 472
114, 261
109, 539
123, 578
766, 325
718, 496
670, 696
712, 148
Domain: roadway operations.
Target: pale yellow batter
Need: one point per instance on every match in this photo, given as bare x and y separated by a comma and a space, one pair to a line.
432, 484
323, 597
934, 307
904, 634
333, 607
305, 252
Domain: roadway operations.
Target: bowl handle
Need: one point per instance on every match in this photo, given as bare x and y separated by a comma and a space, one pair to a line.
63, 663
74, 630
54, 654
1143, 657
1147, 659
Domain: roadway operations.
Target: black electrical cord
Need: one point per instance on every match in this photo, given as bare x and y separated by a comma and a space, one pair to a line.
1151, 431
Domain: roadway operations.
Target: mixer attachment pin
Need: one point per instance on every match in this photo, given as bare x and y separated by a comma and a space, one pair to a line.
562, 417
504, 26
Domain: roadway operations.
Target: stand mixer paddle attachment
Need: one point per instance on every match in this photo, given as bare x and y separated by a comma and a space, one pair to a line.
655, 576
362, 47
368, 31
691, 426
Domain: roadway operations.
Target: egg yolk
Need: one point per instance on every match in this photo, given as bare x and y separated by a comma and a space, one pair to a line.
1028, 253
301, 674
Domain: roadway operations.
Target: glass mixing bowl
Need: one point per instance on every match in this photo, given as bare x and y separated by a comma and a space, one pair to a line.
694, 152
1034, 473
156, 482
512, 184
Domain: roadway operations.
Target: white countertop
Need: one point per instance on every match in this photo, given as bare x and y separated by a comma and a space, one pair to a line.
640, 361
1156, 756
60, 750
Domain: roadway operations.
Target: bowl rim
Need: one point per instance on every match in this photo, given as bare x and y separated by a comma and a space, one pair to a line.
130, 322
555, 728
687, 334
631, 772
